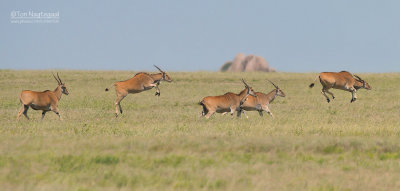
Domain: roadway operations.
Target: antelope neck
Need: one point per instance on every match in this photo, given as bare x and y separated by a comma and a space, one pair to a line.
363, 85
272, 95
157, 77
58, 92
242, 96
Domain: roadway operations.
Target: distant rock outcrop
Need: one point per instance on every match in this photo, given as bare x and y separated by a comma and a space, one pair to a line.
250, 63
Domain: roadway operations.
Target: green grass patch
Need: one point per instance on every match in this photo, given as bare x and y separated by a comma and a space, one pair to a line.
161, 143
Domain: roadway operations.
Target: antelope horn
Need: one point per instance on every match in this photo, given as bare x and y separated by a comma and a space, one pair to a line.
245, 83
159, 69
358, 77
56, 78
59, 78
273, 84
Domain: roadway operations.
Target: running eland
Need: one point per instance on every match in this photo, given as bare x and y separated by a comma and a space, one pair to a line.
45, 101
229, 102
340, 80
140, 82
262, 101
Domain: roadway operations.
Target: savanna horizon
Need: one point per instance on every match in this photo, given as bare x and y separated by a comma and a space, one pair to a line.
162, 143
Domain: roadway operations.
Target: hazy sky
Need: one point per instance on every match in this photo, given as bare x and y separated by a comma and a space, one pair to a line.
179, 35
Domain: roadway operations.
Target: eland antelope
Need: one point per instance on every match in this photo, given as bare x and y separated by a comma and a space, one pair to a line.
45, 101
229, 102
140, 82
262, 101
340, 80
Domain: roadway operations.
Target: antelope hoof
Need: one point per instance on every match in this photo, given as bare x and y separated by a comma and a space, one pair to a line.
328, 100
116, 115
352, 100
157, 94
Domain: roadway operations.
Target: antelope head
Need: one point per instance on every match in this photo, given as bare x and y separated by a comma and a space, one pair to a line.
364, 85
250, 90
165, 76
61, 84
278, 91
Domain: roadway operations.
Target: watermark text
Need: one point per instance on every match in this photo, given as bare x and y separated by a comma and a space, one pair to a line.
32, 17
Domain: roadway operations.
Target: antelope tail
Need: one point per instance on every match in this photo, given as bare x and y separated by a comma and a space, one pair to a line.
312, 84
109, 87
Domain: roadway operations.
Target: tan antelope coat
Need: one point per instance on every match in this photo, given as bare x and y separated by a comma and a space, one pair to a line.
340, 80
262, 101
229, 102
45, 101
140, 82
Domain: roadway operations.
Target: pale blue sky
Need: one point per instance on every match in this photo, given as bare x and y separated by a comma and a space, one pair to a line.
178, 35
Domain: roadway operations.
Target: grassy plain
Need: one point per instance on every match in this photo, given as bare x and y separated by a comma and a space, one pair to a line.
162, 144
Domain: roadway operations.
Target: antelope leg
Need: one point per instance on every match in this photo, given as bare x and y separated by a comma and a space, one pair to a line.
323, 93
26, 107
233, 111
22, 110
55, 109
43, 114
330, 93
158, 93
353, 95
209, 114
266, 109
239, 112
245, 114
118, 104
